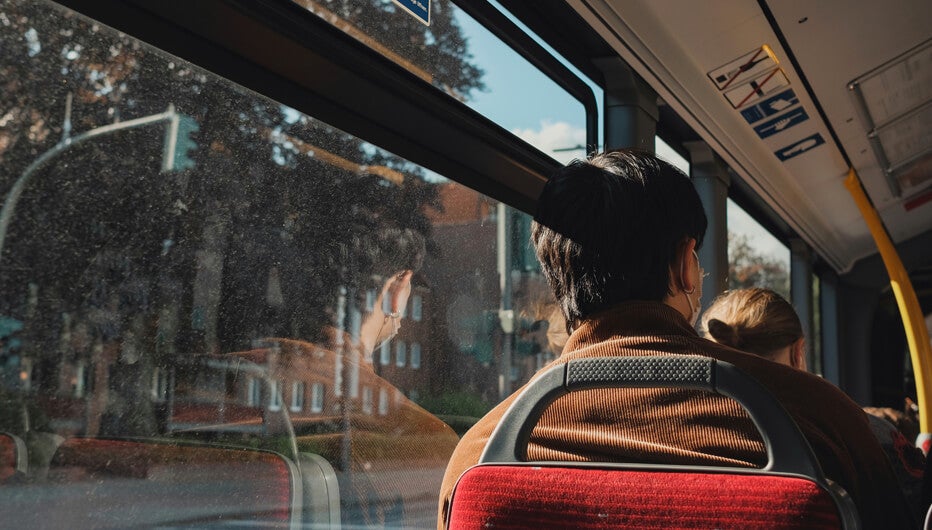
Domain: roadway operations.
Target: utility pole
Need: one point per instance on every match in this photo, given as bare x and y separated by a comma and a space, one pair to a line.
505, 312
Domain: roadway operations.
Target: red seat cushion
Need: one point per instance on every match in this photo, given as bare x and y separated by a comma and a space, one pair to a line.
9, 456
160, 481
503, 496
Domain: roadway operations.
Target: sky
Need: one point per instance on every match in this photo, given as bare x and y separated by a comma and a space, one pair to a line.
554, 122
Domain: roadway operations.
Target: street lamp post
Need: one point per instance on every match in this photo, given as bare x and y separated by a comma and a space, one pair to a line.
67, 141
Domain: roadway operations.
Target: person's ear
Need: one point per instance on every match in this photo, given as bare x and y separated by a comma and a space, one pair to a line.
398, 291
686, 280
798, 354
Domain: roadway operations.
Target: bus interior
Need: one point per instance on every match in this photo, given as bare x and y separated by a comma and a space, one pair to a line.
206, 205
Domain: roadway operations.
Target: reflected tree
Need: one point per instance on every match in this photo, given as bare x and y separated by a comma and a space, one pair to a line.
112, 263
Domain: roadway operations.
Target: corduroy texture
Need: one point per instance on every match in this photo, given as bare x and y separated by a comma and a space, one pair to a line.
691, 427
513, 497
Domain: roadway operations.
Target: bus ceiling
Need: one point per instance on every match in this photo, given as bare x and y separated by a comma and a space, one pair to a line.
793, 95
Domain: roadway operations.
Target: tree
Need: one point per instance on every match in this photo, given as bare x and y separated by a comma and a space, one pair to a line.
748, 267
188, 261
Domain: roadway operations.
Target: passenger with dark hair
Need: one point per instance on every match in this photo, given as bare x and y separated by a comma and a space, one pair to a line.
762, 322
616, 237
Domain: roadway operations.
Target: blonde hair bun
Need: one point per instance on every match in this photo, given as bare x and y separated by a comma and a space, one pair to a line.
723, 333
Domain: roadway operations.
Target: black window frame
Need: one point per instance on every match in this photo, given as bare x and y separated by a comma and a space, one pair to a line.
281, 51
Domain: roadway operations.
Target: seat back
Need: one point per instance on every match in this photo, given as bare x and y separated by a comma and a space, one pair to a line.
129, 483
504, 490
12, 457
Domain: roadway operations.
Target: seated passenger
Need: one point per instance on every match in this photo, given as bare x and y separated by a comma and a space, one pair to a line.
762, 322
616, 237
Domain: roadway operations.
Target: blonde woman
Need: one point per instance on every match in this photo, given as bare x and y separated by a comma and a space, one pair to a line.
762, 322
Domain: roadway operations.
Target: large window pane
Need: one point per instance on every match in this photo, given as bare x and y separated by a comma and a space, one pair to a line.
459, 56
193, 259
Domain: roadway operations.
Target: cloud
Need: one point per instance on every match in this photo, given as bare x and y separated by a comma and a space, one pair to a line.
555, 135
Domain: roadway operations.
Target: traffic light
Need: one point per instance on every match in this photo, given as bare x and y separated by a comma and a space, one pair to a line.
179, 143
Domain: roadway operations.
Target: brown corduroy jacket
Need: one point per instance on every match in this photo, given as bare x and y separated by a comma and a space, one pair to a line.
672, 426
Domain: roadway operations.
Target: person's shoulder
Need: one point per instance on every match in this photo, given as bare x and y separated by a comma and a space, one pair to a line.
786, 380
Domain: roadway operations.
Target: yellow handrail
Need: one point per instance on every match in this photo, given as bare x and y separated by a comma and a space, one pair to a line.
917, 336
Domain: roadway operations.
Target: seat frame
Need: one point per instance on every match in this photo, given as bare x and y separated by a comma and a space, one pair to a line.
788, 452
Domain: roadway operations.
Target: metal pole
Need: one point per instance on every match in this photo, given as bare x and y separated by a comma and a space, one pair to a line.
505, 312
9, 204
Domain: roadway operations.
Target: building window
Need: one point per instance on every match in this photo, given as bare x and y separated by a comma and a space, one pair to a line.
383, 402
253, 392
386, 305
159, 383
367, 400
317, 397
417, 310
275, 396
415, 355
385, 354
79, 378
297, 396
338, 376
401, 352
370, 299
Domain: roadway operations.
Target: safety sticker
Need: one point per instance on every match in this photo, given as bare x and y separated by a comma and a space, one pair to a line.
755, 90
770, 106
781, 123
420, 9
748, 66
795, 149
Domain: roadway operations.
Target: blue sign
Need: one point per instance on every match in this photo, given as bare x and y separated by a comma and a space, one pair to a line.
770, 106
800, 147
419, 8
781, 123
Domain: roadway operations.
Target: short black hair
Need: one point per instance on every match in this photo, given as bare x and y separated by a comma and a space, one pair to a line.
607, 230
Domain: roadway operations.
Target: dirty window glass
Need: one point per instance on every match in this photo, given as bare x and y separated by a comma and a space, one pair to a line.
464, 59
202, 292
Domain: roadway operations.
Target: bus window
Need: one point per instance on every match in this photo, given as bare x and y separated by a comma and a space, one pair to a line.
755, 257
492, 80
197, 283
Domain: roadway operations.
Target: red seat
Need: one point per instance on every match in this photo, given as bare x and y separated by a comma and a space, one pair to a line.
143, 483
12, 457
504, 491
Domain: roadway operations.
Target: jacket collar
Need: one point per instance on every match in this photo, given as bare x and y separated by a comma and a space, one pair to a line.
636, 318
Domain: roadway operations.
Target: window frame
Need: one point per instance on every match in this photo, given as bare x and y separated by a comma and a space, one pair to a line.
363, 93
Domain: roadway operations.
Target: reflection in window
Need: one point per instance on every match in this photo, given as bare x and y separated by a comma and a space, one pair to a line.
416, 307
370, 299
159, 383
275, 396
297, 396
755, 257
80, 379
253, 392
317, 397
383, 402
400, 353
415, 355
177, 298
367, 400
385, 353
